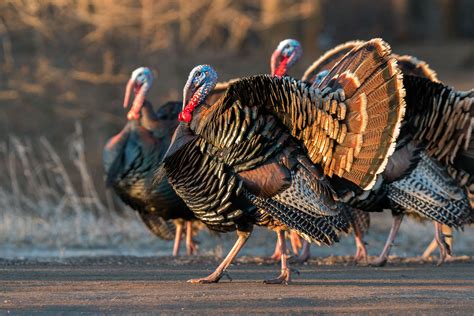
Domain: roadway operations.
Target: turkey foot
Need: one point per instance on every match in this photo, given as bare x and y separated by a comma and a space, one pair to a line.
383, 257
211, 278
283, 278
221, 269
285, 275
448, 235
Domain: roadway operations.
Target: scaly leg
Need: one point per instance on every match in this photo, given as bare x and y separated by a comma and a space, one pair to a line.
444, 249
448, 234
191, 247
361, 253
276, 254
221, 269
285, 275
295, 242
383, 257
177, 238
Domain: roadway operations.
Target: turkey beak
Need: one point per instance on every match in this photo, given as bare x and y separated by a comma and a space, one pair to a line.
134, 112
186, 95
128, 92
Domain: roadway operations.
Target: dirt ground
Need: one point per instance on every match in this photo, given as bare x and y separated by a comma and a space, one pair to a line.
150, 285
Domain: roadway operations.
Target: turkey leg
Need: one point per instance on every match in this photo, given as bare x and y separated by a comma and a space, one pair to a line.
191, 247
448, 234
295, 245
295, 242
444, 248
305, 253
285, 275
221, 269
177, 238
383, 257
276, 254
361, 253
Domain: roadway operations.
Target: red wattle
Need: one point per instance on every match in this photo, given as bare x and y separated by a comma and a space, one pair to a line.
132, 115
281, 70
185, 116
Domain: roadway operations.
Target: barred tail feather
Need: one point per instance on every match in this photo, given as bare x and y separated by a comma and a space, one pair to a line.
374, 95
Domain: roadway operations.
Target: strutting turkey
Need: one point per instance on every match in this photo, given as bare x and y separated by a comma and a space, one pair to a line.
261, 154
285, 56
131, 156
414, 181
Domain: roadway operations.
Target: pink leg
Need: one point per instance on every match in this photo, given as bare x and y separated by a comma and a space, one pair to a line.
448, 232
295, 242
448, 236
277, 253
361, 253
285, 275
191, 247
444, 249
221, 269
383, 257
177, 238
429, 250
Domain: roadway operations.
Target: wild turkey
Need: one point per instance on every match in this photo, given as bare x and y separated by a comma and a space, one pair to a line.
439, 129
261, 153
388, 194
286, 54
131, 156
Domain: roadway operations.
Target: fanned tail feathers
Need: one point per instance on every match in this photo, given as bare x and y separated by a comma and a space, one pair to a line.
373, 97
412, 66
442, 117
329, 59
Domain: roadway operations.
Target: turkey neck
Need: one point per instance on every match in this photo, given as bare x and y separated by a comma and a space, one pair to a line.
148, 118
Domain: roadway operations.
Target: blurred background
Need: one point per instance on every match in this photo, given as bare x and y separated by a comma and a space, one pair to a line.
63, 69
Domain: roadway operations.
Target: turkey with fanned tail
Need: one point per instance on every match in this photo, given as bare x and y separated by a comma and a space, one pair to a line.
419, 167
263, 152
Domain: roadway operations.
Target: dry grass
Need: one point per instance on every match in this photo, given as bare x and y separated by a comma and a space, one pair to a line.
43, 208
